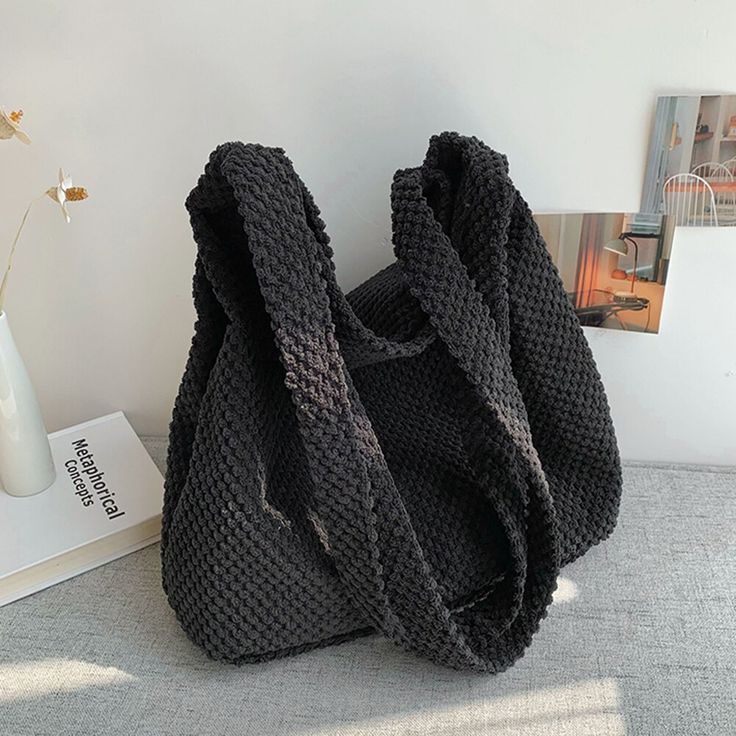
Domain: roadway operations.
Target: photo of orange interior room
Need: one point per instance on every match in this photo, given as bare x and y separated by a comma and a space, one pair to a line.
613, 266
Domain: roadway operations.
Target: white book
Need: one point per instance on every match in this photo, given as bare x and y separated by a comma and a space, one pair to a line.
105, 503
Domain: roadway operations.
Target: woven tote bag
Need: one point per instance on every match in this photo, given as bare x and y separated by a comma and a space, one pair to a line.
417, 458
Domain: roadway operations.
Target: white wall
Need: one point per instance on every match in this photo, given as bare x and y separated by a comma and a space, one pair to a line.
132, 96
673, 395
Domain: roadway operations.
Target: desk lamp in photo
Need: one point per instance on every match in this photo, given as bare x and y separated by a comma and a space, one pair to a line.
620, 246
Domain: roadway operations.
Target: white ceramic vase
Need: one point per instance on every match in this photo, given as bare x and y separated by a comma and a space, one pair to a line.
26, 465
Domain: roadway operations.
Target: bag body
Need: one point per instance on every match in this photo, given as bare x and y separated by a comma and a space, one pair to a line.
416, 458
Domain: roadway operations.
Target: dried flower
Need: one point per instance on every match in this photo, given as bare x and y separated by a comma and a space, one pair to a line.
10, 126
64, 192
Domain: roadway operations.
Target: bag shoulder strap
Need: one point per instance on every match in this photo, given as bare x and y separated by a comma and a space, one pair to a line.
474, 326
291, 259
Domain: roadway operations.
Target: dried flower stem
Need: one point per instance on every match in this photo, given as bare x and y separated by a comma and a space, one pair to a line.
4, 284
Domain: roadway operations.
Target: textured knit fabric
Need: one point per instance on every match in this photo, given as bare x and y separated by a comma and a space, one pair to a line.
418, 457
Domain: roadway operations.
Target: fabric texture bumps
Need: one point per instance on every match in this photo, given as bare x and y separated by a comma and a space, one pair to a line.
416, 458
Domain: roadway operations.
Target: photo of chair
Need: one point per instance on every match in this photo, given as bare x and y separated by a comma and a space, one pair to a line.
731, 165
689, 199
721, 180
692, 136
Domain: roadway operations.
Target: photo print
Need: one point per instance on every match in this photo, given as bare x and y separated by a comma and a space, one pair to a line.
613, 265
691, 166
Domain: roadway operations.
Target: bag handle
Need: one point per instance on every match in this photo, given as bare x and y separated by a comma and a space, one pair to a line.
474, 328
290, 257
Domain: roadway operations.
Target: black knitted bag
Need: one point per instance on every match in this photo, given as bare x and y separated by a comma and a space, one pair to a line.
416, 458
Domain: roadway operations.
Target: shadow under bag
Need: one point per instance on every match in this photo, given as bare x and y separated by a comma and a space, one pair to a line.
417, 458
